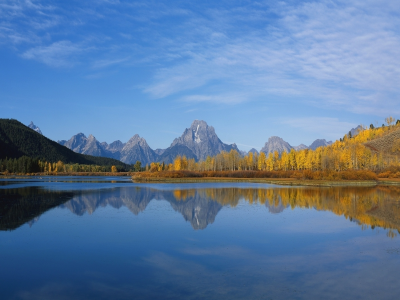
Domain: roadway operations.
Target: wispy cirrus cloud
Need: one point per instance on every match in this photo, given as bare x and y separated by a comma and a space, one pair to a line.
57, 54
109, 62
334, 53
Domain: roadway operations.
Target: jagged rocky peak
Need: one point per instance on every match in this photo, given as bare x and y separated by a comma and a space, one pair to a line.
115, 146
253, 150
76, 142
357, 130
201, 130
300, 147
275, 143
35, 128
242, 153
319, 143
202, 140
85, 145
136, 139
137, 149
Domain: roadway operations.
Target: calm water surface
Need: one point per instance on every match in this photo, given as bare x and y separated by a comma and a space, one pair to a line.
109, 238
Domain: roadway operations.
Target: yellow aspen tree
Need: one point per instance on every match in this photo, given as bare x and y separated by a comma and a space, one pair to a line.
270, 162
178, 163
309, 160
285, 160
184, 163
276, 160
255, 161
261, 161
250, 161
292, 159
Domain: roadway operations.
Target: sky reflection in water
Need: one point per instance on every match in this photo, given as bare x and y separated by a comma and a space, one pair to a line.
93, 239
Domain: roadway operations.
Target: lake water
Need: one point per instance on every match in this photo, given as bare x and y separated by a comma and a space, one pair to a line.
109, 238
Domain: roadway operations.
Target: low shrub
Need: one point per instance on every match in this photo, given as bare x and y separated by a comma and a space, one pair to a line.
301, 175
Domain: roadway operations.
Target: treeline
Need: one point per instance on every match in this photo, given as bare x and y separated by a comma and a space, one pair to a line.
304, 175
348, 153
27, 165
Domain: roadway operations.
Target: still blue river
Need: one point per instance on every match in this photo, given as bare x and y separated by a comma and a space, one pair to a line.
110, 238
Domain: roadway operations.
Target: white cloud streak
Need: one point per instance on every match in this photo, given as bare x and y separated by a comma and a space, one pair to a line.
336, 54
332, 54
57, 54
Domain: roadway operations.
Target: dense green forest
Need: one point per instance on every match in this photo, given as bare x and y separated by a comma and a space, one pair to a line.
26, 165
17, 140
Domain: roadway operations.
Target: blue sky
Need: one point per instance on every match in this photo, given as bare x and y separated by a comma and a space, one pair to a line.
301, 70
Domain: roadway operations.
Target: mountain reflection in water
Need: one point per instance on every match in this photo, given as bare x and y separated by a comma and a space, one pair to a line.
368, 206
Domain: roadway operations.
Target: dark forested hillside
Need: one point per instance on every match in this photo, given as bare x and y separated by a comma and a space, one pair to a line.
17, 140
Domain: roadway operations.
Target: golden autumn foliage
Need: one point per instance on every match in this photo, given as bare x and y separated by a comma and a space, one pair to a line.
345, 155
372, 206
303, 175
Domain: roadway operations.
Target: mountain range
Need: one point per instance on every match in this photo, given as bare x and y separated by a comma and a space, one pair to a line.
198, 141
275, 143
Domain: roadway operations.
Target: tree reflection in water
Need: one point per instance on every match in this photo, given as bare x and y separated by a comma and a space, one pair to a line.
368, 206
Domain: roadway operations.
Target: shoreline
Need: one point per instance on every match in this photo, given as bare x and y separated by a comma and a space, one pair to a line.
276, 181
73, 174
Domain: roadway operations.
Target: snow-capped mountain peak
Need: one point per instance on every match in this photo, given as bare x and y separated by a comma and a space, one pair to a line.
35, 128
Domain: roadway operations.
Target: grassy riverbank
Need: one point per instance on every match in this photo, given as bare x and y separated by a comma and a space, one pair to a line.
354, 178
16, 175
277, 181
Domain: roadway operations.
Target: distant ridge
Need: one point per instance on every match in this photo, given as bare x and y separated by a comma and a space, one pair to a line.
136, 149
300, 147
319, 143
254, 151
17, 140
276, 143
355, 131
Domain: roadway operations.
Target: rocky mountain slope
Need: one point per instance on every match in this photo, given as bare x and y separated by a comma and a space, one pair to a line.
275, 143
319, 143
355, 131
254, 151
136, 149
202, 140
300, 147
170, 153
